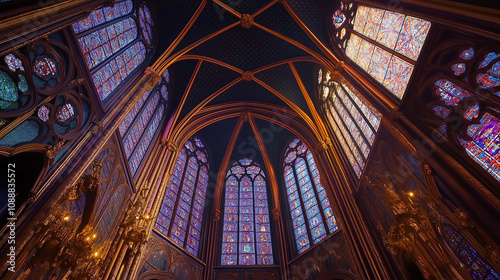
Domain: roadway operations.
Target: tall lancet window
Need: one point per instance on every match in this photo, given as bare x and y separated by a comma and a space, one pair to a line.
310, 209
112, 44
181, 213
385, 44
141, 124
353, 121
246, 237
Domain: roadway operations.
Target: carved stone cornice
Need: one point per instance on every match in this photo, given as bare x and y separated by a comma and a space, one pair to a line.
96, 127
171, 146
52, 151
246, 21
245, 116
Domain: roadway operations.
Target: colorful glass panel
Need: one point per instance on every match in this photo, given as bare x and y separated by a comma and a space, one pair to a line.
65, 113
103, 15
354, 124
338, 18
403, 34
145, 142
109, 77
246, 228
13, 62
45, 67
43, 113
109, 216
8, 91
478, 266
137, 129
308, 202
181, 213
467, 54
131, 115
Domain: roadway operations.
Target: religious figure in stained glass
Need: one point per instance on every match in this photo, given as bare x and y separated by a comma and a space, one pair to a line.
112, 45
353, 120
311, 214
181, 214
246, 233
385, 44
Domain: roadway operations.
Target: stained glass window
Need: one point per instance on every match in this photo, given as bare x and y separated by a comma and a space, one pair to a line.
110, 215
482, 142
181, 214
354, 122
141, 124
310, 209
246, 237
111, 44
383, 43
478, 267
8, 91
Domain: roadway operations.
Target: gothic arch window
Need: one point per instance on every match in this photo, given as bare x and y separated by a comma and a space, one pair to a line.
468, 90
110, 215
141, 123
309, 206
353, 120
246, 234
383, 43
472, 261
113, 45
181, 214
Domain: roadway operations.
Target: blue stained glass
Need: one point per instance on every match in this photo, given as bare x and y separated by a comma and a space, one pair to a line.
467, 54
100, 16
309, 191
191, 177
458, 68
13, 62
43, 113
106, 79
137, 129
488, 59
131, 115
450, 93
8, 91
245, 219
338, 19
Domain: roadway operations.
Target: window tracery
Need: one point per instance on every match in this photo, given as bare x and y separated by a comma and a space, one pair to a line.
311, 213
383, 43
246, 234
112, 45
353, 121
181, 214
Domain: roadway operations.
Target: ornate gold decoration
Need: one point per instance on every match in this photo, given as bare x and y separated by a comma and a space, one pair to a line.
247, 76
171, 146
52, 151
324, 145
245, 116
246, 21
276, 214
96, 127
136, 222
463, 218
216, 215
152, 78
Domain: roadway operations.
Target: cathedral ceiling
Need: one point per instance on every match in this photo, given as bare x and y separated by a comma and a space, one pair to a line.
254, 55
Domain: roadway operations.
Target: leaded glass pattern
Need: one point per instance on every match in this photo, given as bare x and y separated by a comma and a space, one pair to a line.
353, 121
311, 213
181, 215
472, 261
131, 115
385, 44
109, 216
112, 45
246, 232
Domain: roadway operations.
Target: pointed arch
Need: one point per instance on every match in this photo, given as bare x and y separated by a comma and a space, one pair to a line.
181, 215
246, 233
311, 214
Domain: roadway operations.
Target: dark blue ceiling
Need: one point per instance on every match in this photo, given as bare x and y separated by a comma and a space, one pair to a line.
247, 91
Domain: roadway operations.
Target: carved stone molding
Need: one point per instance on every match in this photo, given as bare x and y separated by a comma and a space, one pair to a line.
52, 151
246, 21
245, 116
152, 77
171, 146
324, 145
96, 127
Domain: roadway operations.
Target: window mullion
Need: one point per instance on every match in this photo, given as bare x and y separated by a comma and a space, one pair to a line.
347, 130
375, 43
238, 224
192, 204
354, 121
348, 94
320, 206
302, 203
150, 122
181, 185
